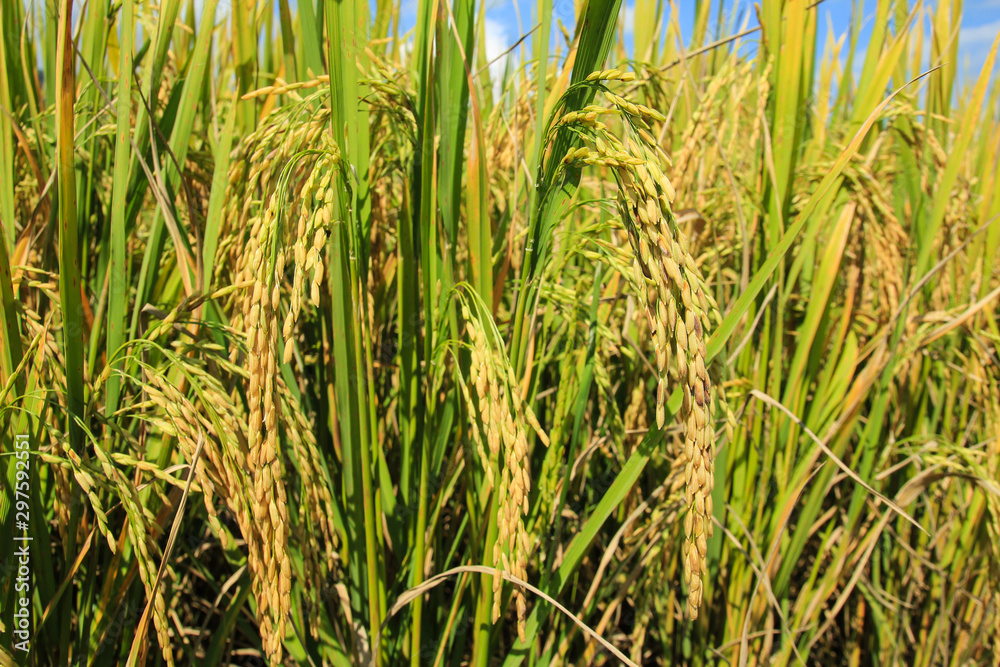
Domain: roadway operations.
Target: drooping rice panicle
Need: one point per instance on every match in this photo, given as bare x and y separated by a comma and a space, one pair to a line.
679, 306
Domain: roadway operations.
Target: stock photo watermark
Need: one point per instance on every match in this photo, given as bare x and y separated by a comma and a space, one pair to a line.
21, 547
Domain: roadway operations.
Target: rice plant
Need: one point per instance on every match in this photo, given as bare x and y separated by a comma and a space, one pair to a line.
328, 340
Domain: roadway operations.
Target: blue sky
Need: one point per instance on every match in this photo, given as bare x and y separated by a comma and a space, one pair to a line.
980, 24
507, 20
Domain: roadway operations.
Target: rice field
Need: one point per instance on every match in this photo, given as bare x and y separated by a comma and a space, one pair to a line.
329, 339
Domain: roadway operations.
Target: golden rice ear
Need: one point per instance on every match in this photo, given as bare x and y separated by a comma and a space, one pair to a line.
678, 305
506, 418
291, 225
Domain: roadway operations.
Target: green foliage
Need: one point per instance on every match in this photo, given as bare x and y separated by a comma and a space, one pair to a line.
284, 317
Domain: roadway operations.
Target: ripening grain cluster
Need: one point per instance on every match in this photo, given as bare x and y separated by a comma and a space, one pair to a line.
654, 341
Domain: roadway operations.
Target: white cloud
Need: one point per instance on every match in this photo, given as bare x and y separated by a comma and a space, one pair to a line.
496, 40
974, 43
497, 43
980, 35
629, 18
